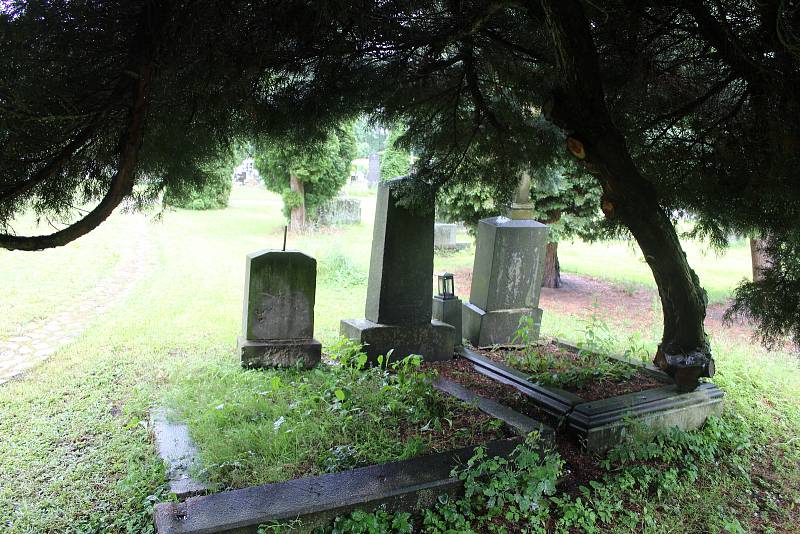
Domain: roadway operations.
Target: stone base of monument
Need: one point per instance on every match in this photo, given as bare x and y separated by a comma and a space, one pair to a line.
497, 327
270, 353
434, 341
449, 311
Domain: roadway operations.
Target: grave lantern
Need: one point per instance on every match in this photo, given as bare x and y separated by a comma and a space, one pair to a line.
446, 286
446, 306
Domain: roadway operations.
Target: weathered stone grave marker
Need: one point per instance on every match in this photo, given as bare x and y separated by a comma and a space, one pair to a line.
278, 318
340, 210
398, 309
506, 274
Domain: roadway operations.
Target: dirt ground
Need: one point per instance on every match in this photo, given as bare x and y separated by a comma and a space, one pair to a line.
632, 309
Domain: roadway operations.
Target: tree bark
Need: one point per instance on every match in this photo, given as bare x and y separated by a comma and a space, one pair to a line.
758, 258
298, 215
578, 107
552, 269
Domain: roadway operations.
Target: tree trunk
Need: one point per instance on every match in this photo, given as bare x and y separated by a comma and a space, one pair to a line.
552, 270
758, 258
298, 215
578, 106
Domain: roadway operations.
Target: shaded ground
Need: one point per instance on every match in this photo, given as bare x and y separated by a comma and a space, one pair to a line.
635, 308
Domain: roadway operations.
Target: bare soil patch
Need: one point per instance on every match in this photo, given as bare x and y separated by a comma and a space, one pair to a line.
630, 308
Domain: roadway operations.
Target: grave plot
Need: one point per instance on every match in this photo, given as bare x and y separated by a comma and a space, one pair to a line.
316, 444
599, 398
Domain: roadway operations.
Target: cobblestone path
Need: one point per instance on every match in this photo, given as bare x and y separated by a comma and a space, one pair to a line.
38, 340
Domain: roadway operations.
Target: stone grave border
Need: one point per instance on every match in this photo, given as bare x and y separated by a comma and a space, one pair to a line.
406, 485
603, 423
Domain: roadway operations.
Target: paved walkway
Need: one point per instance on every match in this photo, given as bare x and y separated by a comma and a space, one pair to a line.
38, 340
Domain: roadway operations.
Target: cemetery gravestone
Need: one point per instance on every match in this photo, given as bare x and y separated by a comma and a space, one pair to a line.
398, 308
445, 237
506, 275
374, 170
278, 318
340, 211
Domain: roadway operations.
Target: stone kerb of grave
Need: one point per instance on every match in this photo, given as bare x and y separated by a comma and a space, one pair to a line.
278, 316
398, 307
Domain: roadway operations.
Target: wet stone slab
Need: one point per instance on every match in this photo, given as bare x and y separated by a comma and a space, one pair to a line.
178, 452
409, 485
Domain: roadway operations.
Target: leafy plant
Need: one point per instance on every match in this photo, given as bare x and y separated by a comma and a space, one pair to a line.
340, 270
500, 495
591, 364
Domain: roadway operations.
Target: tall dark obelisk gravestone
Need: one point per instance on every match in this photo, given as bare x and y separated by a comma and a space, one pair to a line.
278, 318
398, 310
506, 274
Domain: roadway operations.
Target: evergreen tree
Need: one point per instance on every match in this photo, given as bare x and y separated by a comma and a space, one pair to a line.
212, 186
395, 160
566, 200
307, 176
670, 106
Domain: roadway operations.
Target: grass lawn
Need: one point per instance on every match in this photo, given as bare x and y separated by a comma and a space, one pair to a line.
35, 285
76, 455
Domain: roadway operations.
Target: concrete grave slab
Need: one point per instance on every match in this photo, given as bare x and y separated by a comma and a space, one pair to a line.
602, 424
179, 453
410, 485
522, 424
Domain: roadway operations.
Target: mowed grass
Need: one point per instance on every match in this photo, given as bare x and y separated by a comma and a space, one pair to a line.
36, 285
76, 455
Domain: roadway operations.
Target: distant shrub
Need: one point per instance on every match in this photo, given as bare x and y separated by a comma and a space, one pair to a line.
214, 194
340, 270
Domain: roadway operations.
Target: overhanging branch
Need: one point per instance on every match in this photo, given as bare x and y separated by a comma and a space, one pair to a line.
121, 184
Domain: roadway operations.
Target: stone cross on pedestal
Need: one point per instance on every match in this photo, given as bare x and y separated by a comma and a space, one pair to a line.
398, 308
278, 317
506, 274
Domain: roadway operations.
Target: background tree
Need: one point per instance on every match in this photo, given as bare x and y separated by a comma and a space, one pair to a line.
370, 137
307, 175
395, 159
210, 187
566, 200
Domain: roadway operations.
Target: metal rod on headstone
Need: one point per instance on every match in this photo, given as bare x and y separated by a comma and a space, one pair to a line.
285, 230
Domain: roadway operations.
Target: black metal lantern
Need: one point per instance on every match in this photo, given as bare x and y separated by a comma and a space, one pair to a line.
446, 286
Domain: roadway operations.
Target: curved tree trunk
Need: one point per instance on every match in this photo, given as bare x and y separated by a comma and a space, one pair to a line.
552, 270
135, 88
578, 106
297, 220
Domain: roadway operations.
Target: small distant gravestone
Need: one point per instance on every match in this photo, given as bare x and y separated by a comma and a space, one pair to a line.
374, 170
339, 211
398, 309
444, 237
278, 319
